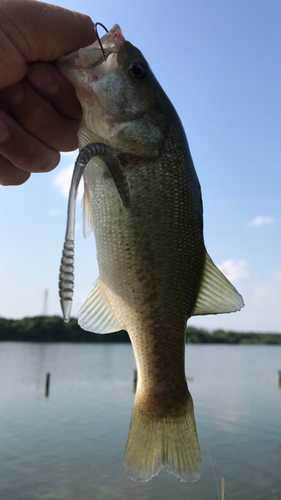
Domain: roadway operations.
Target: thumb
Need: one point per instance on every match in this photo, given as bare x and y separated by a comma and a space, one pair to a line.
35, 31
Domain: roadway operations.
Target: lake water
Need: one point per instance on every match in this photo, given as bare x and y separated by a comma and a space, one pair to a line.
70, 446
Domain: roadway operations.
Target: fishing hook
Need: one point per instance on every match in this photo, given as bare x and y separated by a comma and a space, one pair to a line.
104, 55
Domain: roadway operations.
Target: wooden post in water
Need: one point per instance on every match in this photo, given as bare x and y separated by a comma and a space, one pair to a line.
222, 488
47, 386
135, 380
279, 377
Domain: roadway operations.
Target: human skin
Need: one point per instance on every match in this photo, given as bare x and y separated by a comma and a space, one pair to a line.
39, 111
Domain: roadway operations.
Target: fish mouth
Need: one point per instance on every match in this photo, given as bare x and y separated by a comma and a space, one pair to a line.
75, 66
95, 54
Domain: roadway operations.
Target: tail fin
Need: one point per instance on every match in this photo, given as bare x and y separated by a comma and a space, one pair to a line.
169, 442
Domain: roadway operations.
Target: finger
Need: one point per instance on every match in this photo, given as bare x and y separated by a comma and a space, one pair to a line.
11, 175
39, 117
23, 150
49, 82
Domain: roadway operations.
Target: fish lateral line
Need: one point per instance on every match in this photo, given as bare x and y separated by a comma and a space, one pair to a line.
112, 162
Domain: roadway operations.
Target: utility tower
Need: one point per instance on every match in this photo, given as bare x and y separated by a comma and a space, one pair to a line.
45, 303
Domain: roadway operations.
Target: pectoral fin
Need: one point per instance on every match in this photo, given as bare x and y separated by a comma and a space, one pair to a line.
216, 295
97, 315
86, 137
88, 225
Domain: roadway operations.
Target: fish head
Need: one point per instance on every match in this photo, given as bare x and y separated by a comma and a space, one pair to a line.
119, 95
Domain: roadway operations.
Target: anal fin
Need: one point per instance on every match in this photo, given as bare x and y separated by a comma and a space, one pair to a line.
97, 315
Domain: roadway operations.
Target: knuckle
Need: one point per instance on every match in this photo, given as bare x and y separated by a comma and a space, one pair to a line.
40, 159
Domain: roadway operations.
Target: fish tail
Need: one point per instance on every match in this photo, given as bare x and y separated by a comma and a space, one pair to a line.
168, 441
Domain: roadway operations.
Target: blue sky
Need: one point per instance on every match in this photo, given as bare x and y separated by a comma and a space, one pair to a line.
219, 63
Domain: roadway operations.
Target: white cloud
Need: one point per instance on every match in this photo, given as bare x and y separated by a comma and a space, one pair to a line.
234, 269
262, 221
63, 179
264, 303
53, 212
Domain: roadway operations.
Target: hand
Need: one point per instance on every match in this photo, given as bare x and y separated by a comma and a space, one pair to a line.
39, 112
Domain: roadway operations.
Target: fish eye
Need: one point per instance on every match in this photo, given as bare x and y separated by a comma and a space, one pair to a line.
138, 70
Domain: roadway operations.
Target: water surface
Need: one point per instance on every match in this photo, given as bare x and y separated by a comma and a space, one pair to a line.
70, 446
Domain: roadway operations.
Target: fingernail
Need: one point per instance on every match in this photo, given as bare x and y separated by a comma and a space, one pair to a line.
43, 79
4, 132
14, 94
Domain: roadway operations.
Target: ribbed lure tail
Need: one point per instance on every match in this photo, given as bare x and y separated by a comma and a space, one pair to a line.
107, 155
169, 442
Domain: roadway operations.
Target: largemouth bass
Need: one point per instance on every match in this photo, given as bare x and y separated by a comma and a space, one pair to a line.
155, 272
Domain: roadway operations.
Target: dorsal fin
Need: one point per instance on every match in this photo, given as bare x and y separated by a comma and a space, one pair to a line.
216, 295
97, 315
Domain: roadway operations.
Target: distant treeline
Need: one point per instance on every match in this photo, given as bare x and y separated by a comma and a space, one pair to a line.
53, 329
199, 336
